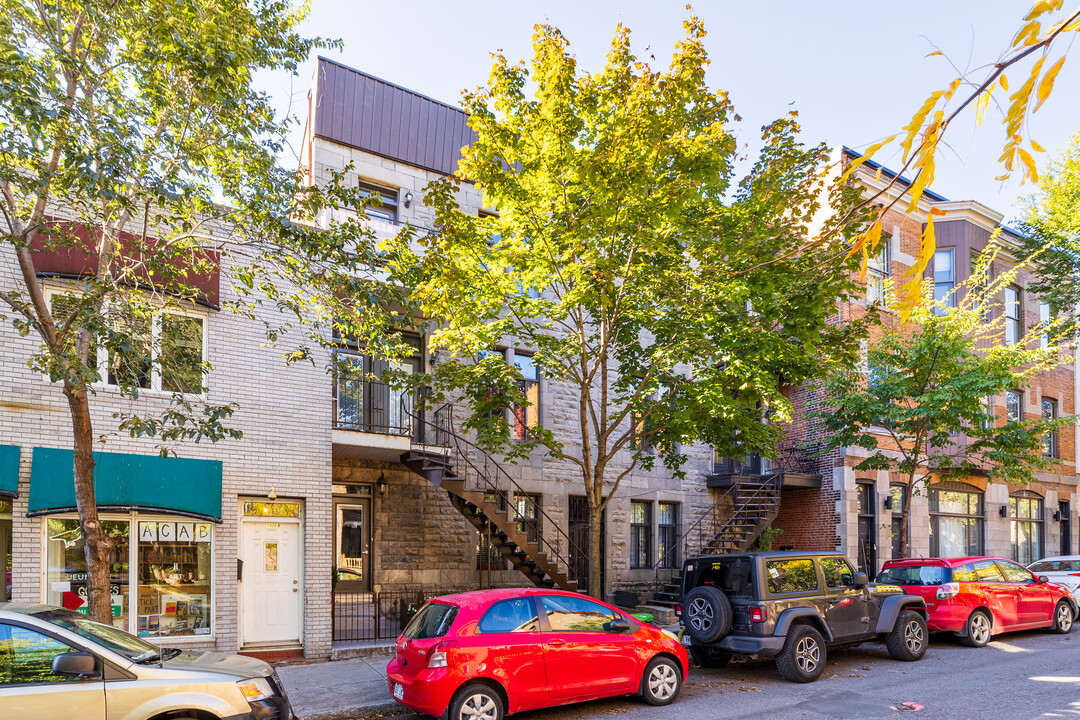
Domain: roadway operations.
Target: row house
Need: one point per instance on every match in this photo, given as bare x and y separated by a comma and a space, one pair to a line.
859, 512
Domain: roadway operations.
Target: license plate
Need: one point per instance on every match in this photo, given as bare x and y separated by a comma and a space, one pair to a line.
399, 691
686, 639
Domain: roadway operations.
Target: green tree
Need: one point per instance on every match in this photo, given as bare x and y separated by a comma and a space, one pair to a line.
672, 311
131, 137
1050, 227
921, 404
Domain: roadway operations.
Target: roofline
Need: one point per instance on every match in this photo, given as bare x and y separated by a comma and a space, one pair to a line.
323, 58
891, 173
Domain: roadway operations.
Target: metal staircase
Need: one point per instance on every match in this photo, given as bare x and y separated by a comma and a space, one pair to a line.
731, 525
489, 498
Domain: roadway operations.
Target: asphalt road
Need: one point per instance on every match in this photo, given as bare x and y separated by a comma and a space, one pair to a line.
1020, 675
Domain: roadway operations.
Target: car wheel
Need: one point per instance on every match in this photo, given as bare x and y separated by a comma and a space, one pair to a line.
803, 657
476, 702
1063, 618
907, 641
977, 630
707, 614
661, 681
709, 657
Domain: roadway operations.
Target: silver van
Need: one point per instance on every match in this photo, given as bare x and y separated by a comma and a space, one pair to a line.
59, 665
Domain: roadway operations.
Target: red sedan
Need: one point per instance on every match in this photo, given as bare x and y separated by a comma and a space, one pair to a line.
481, 655
977, 597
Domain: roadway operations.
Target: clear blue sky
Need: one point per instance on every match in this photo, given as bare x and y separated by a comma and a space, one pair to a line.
855, 70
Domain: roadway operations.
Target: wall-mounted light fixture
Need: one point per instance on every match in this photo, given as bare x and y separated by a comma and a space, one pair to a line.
408, 199
1057, 516
888, 502
1003, 511
272, 494
381, 485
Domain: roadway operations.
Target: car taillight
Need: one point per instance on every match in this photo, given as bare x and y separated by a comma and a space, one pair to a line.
758, 614
440, 655
678, 610
948, 591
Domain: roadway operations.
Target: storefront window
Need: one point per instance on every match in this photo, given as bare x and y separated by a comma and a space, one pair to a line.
5, 550
174, 574
66, 574
956, 520
1026, 521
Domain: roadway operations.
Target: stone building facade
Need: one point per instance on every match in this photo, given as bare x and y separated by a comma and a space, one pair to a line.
858, 512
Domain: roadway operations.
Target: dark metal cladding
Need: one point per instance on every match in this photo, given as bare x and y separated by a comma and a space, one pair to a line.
356, 109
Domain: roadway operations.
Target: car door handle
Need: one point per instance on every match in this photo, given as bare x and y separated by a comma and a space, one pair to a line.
833, 601
556, 643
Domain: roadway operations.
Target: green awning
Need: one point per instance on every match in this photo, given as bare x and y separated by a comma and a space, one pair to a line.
9, 470
148, 482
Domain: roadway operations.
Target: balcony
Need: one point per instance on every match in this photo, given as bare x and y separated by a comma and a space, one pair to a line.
373, 421
794, 471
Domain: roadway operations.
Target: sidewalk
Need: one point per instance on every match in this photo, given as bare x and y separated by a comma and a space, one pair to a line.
338, 690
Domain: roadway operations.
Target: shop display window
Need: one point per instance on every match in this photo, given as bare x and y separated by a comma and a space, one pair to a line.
174, 574
66, 573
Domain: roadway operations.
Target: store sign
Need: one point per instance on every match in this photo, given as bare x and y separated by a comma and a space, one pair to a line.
174, 532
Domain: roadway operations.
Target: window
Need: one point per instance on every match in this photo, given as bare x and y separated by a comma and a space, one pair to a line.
488, 557
1065, 528
1014, 573
986, 571
162, 579
1013, 325
838, 573
574, 614
944, 279
922, 575
667, 547
735, 576
1050, 439
640, 525
867, 552
384, 202
168, 349
980, 282
511, 616
1013, 412
5, 550
991, 418
1026, 521
790, 576
956, 520
896, 498
432, 621
878, 273
26, 657
526, 417
526, 513
1044, 321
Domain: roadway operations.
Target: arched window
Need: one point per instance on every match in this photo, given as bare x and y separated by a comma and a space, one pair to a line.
957, 520
1026, 526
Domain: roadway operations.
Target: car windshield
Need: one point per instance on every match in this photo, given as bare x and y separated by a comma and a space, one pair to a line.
915, 575
1054, 566
432, 621
107, 636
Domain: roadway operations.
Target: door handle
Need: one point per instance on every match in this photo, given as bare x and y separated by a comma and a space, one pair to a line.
833, 601
556, 643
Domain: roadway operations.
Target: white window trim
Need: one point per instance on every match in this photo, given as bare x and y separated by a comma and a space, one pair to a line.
133, 518
155, 345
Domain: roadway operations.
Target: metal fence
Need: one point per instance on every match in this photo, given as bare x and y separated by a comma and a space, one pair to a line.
360, 617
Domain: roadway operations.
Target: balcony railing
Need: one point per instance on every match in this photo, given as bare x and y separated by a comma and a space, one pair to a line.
371, 407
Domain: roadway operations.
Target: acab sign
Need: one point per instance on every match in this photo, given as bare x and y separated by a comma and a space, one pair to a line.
173, 532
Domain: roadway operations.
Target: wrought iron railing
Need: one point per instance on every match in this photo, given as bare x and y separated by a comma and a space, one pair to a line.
480, 472
370, 617
368, 406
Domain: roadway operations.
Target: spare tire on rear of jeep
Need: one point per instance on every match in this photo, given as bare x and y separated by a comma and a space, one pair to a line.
707, 614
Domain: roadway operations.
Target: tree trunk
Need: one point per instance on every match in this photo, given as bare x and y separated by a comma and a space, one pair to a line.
596, 528
96, 546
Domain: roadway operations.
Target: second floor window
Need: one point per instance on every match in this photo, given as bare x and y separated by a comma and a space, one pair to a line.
944, 278
1013, 412
526, 417
1050, 439
1044, 320
878, 272
386, 208
1013, 326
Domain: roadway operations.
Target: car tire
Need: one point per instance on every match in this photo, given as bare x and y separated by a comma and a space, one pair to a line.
709, 657
660, 683
707, 614
1063, 618
476, 702
803, 658
908, 638
977, 629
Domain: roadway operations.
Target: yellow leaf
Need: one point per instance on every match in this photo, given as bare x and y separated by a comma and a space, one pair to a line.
952, 88
937, 211
1004, 82
917, 121
1027, 34
854, 164
1036, 146
982, 103
1047, 83
936, 52
1042, 7
1029, 165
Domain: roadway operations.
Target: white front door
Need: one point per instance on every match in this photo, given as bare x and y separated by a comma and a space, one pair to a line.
270, 584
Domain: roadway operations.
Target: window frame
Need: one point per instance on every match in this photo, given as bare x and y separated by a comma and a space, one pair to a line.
878, 272
390, 208
769, 578
667, 534
1034, 523
641, 536
1014, 322
1050, 439
72, 647
1045, 318
524, 417
974, 523
950, 283
1019, 417
155, 387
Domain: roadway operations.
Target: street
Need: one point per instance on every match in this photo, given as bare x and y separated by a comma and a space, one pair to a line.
1019, 675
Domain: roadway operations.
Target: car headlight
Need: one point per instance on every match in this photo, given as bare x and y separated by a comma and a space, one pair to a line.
255, 689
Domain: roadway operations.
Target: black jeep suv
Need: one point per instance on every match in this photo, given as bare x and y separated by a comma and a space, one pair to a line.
792, 605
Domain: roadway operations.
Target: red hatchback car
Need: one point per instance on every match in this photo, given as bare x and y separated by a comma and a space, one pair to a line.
480, 655
976, 597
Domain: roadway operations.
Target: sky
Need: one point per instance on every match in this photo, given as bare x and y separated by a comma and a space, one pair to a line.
856, 71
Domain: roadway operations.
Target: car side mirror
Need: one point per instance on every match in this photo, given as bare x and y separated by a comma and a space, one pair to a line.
75, 664
861, 580
617, 625
1043, 579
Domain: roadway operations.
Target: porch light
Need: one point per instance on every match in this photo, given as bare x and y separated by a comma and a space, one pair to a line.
381, 485
408, 199
888, 502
